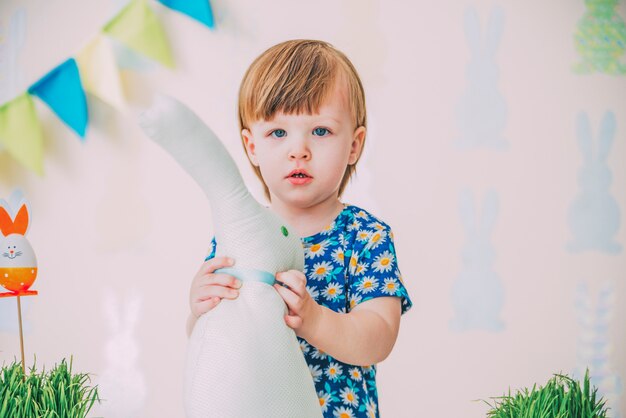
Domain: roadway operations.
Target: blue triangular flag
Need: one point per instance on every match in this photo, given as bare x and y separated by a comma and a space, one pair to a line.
197, 9
62, 90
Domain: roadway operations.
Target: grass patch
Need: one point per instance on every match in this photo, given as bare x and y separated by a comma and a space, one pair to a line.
55, 394
561, 397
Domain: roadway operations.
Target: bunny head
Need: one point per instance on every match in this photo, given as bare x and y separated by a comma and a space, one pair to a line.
18, 265
595, 175
478, 252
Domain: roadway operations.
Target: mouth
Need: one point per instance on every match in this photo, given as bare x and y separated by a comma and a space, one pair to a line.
299, 174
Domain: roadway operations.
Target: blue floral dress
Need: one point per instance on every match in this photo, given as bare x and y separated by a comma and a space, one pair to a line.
351, 261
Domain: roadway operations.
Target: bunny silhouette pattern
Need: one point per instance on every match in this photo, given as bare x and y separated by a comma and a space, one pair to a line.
122, 385
18, 265
477, 294
594, 215
601, 39
481, 112
595, 312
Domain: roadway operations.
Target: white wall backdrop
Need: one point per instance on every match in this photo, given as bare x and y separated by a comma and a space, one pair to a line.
499, 165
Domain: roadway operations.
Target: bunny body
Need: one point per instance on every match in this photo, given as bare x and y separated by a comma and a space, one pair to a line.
242, 359
477, 294
18, 264
594, 216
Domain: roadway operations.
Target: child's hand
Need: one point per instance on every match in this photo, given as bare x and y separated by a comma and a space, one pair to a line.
208, 288
304, 313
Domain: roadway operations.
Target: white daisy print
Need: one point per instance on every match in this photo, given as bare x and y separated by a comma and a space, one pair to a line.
332, 291
377, 238
349, 397
368, 369
391, 286
361, 268
363, 235
338, 255
316, 372
313, 292
371, 408
328, 228
324, 398
361, 214
355, 224
304, 347
368, 284
316, 250
321, 270
354, 260
333, 371
355, 374
318, 354
343, 412
384, 262
355, 300
376, 225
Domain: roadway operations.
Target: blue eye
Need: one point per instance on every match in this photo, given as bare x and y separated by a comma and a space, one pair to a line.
320, 131
279, 133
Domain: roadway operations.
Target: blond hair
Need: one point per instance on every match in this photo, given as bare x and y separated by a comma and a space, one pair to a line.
295, 77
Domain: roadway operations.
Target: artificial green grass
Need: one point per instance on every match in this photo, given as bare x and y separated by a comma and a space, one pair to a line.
54, 394
561, 397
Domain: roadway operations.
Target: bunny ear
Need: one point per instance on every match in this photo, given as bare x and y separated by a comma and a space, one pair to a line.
607, 133
494, 30
6, 223
471, 25
22, 220
467, 212
584, 135
490, 212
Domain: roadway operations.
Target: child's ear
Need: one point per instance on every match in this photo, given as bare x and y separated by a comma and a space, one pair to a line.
248, 142
357, 144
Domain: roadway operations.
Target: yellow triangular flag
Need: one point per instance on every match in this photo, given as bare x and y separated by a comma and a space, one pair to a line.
137, 27
99, 74
20, 132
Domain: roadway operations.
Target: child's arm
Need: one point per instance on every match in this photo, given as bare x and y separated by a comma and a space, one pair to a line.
363, 337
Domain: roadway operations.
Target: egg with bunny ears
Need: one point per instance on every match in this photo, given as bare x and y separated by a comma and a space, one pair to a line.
18, 264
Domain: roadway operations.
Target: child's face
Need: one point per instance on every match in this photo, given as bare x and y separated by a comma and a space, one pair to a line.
321, 144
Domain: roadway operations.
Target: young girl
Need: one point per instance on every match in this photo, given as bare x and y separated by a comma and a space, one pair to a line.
303, 124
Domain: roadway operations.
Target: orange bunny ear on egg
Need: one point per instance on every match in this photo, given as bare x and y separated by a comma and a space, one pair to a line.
6, 223
20, 224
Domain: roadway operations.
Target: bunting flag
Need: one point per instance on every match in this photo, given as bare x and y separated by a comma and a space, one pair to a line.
196, 9
137, 27
62, 90
94, 70
99, 73
20, 132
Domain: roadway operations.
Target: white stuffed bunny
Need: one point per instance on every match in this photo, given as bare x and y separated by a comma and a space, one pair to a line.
594, 215
242, 359
482, 109
477, 294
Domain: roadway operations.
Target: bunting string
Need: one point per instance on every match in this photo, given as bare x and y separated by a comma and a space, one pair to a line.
94, 70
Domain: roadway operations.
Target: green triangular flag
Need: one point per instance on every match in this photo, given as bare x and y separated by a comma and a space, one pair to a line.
20, 132
137, 27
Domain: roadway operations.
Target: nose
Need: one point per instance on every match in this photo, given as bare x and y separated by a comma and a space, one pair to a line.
299, 151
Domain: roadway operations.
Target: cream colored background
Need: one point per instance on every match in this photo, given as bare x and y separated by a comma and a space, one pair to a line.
116, 223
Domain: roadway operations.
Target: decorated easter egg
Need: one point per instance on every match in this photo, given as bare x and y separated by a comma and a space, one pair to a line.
18, 264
